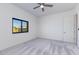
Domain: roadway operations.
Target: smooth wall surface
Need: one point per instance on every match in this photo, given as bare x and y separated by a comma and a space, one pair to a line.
7, 39
52, 26
77, 12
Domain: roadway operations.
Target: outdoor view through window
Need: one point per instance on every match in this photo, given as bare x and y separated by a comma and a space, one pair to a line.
19, 26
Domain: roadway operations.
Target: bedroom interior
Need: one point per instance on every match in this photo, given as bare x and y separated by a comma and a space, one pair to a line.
39, 29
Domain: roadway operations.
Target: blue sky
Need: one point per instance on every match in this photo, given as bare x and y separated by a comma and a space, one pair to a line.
24, 24
17, 23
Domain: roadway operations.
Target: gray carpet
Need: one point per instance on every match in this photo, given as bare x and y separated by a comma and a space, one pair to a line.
42, 47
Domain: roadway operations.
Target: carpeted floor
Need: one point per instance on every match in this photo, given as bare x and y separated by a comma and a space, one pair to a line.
42, 47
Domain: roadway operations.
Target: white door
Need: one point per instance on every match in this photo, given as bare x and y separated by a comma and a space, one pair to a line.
68, 30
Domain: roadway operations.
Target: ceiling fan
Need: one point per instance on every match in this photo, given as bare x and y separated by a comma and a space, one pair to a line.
42, 5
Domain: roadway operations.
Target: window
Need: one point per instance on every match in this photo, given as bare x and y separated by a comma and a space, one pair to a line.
19, 26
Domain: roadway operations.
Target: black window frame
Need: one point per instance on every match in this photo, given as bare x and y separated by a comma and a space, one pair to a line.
27, 23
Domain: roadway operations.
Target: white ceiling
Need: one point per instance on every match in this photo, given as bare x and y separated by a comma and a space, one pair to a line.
58, 7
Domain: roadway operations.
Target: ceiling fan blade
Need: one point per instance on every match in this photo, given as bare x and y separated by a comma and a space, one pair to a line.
39, 3
36, 7
43, 9
47, 5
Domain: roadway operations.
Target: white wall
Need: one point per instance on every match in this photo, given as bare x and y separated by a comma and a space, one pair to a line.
77, 12
51, 26
7, 39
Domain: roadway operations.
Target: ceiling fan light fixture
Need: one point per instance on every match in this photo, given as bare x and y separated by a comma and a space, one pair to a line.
41, 6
